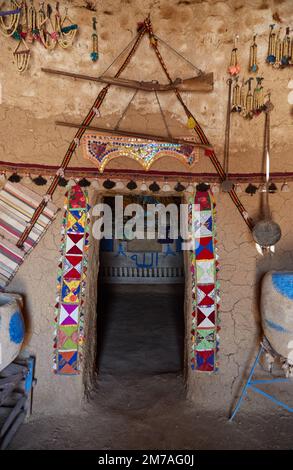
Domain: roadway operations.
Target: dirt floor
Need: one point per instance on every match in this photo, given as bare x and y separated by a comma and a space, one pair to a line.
152, 413
140, 400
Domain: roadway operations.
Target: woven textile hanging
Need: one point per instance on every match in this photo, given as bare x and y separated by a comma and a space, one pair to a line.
69, 334
205, 286
17, 205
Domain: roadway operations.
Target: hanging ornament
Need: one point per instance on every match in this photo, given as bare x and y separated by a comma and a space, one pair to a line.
154, 187
40, 181
62, 182
95, 46
179, 188
143, 187
191, 122
31, 23
285, 188
22, 56
227, 185
251, 189
258, 96
2, 177
120, 185
286, 49
271, 57
109, 184
273, 188
238, 188
131, 185
9, 19
262, 188
65, 28
96, 184
71, 182
202, 187
236, 97
234, 67
277, 62
84, 183
243, 98
249, 100
215, 188
253, 67
190, 188
14, 178
48, 34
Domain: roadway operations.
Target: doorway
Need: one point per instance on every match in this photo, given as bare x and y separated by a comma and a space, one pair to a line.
140, 313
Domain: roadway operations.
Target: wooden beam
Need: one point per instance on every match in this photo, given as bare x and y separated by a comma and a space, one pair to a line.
137, 135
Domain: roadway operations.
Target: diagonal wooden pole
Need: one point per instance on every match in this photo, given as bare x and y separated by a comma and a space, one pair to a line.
75, 142
199, 131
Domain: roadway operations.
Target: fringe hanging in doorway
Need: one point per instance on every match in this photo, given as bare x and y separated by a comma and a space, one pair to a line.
205, 285
69, 319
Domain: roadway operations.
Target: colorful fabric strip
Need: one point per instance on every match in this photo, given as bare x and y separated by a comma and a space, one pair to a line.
17, 204
205, 286
69, 332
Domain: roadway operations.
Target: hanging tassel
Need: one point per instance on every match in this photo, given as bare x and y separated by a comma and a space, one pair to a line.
251, 189
179, 187
40, 181
95, 53
84, 183
109, 184
271, 57
253, 67
62, 182
14, 178
131, 185
154, 187
234, 67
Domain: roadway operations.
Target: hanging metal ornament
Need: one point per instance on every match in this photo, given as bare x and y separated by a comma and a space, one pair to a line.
49, 36
271, 57
253, 67
266, 232
22, 56
234, 67
277, 63
9, 19
95, 46
243, 98
227, 185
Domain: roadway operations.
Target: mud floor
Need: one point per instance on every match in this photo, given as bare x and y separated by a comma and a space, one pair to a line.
152, 413
140, 400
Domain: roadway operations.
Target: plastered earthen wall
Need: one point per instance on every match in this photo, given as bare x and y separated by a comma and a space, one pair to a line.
203, 32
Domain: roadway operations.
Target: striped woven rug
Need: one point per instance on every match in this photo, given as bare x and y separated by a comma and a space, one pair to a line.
17, 205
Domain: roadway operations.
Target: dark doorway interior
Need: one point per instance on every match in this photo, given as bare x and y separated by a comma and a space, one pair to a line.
140, 319
141, 329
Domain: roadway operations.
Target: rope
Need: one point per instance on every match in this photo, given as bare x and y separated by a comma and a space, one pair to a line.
125, 110
163, 116
178, 53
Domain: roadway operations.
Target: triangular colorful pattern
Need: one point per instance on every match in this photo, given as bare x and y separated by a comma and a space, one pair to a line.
205, 286
71, 283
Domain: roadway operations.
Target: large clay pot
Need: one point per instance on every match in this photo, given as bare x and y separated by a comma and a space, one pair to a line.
277, 311
11, 328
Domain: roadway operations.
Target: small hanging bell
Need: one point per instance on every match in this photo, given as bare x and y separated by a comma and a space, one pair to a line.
285, 188
120, 185
95, 184
251, 189
143, 187
262, 188
166, 187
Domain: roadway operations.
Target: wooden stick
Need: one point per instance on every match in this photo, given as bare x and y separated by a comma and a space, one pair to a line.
137, 135
202, 82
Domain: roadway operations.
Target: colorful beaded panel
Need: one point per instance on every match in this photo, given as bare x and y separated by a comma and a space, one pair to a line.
100, 149
69, 334
205, 286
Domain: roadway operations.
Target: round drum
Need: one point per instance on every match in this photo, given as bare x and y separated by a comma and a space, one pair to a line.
11, 328
277, 311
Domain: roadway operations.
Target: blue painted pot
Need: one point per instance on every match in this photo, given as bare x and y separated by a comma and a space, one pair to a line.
11, 328
277, 311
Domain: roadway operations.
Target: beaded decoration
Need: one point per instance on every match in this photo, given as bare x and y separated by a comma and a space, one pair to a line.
102, 148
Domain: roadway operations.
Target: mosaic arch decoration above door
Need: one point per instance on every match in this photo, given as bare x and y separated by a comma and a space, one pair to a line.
71, 283
102, 148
